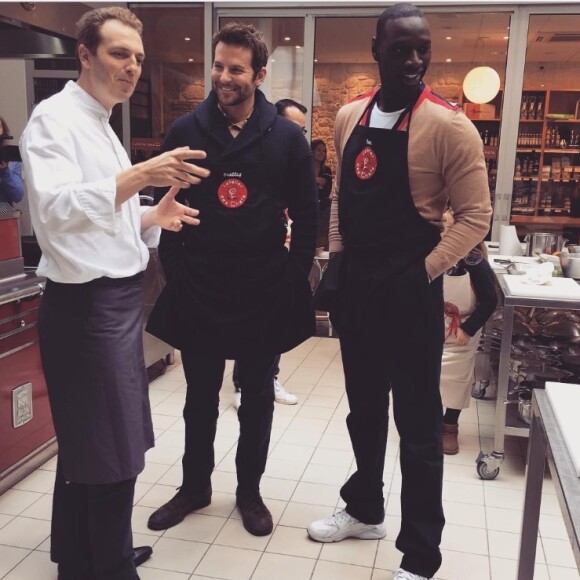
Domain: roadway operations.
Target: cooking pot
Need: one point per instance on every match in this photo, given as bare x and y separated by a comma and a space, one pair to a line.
543, 243
571, 266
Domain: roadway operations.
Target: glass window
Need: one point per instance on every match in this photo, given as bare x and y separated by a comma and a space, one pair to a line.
172, 82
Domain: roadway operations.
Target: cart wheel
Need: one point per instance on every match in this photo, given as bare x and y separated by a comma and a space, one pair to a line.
484, 472
480, 389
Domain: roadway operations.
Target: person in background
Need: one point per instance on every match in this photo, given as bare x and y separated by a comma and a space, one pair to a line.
295, 112
234, 291
11, 185
469, 291
323, 175
94, 235
404, 155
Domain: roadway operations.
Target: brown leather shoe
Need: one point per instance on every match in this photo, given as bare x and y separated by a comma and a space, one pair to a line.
256, 517
450, 443
175, 510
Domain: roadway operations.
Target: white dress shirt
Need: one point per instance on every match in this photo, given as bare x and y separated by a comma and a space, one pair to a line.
71, 157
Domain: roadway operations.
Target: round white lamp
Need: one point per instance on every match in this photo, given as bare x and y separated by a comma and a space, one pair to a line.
481, 84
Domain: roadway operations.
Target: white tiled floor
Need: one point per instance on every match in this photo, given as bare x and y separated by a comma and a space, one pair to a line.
309, 460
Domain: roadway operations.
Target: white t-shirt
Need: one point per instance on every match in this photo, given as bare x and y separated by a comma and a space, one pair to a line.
381, 120
71, 157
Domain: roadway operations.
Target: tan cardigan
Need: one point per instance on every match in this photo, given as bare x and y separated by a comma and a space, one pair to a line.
446, 165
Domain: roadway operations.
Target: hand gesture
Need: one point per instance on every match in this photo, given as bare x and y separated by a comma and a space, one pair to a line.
172, 169
171, 215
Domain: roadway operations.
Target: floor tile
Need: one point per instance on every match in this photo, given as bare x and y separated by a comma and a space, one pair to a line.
335, 571
228, 563
310, 458
176, 555
283, 567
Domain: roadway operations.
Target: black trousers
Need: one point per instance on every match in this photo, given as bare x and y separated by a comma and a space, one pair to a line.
91, 537
376, 362
236, 373
204, 374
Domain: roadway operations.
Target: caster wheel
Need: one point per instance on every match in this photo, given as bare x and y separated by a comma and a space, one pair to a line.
484, 472
479, 389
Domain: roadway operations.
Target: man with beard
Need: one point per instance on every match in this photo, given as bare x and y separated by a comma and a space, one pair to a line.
404, 154
233, 290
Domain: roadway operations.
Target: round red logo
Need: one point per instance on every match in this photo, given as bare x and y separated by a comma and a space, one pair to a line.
365, 165
232, 193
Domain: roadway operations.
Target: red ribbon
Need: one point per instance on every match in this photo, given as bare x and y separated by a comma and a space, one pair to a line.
452, 312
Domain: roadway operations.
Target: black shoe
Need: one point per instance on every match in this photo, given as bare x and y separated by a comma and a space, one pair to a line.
256, 517
141, 554
173, 512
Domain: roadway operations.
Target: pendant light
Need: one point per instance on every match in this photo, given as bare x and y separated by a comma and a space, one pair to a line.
481, 84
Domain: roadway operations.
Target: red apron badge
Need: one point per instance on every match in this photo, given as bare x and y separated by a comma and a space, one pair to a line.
232, 193
365, 165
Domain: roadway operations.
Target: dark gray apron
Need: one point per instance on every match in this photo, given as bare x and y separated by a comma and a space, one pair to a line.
91, 343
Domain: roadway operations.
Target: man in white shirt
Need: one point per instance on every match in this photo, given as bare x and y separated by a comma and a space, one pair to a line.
94, 237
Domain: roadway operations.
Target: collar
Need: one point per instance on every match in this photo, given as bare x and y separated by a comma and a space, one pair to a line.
73, 89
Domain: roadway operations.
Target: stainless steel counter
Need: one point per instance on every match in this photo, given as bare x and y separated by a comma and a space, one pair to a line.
547, 445
507, 421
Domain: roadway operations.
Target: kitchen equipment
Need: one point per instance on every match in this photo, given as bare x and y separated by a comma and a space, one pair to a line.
11, 262
525, 406
543, 243
571, 266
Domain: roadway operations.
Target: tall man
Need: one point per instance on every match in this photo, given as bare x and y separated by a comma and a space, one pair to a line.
404, 154
93, 236
233, 290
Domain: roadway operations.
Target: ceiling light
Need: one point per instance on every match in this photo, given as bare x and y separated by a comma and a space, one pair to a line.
481, 84
286, 38
448, 38
190, 60
298, 46
315, 60
447, 60
187, 39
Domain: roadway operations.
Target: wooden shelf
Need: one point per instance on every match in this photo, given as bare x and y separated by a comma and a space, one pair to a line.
545, 220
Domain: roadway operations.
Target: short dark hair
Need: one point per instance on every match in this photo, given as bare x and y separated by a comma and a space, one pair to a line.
284, 104
90, 24
246, 35
399, 10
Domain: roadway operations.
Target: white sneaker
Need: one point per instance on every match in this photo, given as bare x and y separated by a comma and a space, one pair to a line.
401, 574
281, 395
342, 525
237, 399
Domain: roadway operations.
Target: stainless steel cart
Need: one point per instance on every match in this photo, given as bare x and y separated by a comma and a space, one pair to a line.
507, 421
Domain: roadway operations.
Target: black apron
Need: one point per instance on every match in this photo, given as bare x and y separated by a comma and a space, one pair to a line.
382, 275
238, 291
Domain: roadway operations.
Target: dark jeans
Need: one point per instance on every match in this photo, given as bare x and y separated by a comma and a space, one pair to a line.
373, 365
204, 374
236, 373
91, 537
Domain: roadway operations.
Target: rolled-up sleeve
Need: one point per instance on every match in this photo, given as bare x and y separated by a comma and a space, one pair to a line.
65, 201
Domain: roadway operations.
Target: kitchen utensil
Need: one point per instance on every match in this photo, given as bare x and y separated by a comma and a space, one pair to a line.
544, 243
